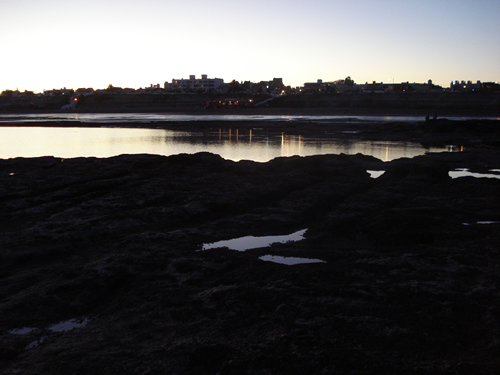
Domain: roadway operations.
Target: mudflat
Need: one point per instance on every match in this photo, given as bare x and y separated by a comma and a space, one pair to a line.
102, 268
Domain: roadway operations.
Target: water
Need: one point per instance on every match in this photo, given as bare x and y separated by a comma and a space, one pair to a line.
289, 261
464, 172
23, 331
156, 117
483, 222
251, 242
68, 325
375, 174
233, 144
64, 326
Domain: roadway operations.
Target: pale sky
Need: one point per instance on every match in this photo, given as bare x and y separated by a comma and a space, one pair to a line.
53, 44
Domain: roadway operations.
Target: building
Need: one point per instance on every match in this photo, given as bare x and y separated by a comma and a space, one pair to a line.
63, 91
491, 87
466, 86
194, 84
316, 87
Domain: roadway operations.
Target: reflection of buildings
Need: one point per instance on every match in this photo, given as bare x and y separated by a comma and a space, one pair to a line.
194, 84
291, 145
233, 136
252, 144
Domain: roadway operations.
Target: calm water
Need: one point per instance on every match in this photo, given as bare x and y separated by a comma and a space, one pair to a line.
251, 242
255, 144
155, 117
464, 172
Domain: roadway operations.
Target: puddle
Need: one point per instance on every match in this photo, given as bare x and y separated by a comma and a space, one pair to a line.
35, 343
251, 242
68, 325
464, 172
290, 261
483, 222
64, 326
22, 331
376, 174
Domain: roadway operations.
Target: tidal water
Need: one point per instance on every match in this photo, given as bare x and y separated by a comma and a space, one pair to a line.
464, 172
233, 144
289, 261
166, 117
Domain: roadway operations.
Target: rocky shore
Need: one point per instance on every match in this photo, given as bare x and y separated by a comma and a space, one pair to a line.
102, 268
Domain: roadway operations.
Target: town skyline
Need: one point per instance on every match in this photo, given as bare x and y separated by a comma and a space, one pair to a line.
164, 85
57, 43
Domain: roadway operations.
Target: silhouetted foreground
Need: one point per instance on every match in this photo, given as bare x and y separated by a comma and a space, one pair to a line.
110, 248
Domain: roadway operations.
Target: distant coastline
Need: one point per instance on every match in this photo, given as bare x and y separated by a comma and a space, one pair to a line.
442, 104
480, 110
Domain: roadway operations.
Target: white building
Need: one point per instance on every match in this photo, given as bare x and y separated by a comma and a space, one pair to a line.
194, 84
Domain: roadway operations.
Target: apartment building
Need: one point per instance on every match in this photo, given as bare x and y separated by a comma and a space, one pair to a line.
194, 84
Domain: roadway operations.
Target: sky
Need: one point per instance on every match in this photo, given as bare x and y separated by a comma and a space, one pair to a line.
93, 43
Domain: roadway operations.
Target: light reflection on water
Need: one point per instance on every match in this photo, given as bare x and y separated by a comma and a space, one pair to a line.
233, 144
156, 117
208, 116
289, 261
464, 172
375, 174
251, 242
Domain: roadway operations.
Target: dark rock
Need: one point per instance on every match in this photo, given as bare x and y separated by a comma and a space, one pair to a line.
7, 354
208, 359
405, 286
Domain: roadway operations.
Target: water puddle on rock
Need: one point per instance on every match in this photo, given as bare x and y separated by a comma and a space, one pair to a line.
482, 223
375, 174
68, 325
35, 343
251, 242
22, 331
464, 172
63, 326
290, 261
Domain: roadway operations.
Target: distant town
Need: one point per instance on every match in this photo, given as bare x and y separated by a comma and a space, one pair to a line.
215, 93
275, 86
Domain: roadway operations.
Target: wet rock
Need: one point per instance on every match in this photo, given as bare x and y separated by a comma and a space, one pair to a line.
406, 169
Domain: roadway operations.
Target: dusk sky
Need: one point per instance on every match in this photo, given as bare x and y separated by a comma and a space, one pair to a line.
54, 44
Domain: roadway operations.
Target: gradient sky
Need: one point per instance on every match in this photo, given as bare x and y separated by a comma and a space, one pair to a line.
53, 44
